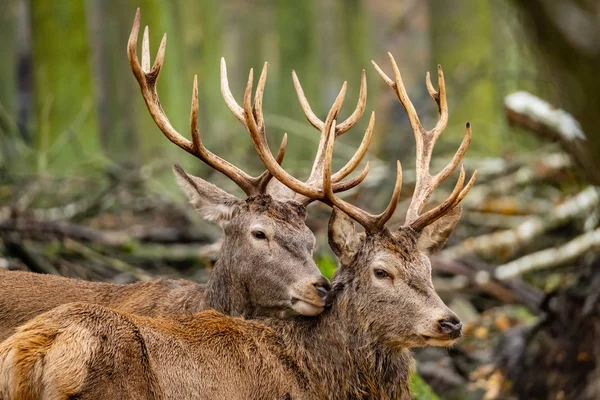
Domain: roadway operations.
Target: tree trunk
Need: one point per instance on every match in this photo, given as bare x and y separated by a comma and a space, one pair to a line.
66, 134
461, 41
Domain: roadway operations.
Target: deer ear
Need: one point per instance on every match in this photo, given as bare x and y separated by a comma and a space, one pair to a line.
343, 238
434, 236
212, 203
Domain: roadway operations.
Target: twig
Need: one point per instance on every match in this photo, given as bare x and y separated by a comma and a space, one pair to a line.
113, 263
34, 262
550, 257
478, 274
507, 182
78, 232
510, 241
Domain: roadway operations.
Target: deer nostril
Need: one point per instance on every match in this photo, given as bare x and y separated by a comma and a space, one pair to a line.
323, 287
451, 327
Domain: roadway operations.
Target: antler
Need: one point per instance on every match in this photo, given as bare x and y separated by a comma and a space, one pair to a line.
147, 78
340, 129
251, 117
426, 183
370, 222
349, 122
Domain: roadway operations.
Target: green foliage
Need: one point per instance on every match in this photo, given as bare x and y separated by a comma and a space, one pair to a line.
327, 265
421, 390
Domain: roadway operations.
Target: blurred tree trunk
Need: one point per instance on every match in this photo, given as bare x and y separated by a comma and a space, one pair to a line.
296, 26
563, 347
8, 61
353, 57
8, 77
567, 39
66, 134
174, 88
113, 81
461, 41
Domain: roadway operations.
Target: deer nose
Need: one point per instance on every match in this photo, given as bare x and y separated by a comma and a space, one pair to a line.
323, 287
451, 327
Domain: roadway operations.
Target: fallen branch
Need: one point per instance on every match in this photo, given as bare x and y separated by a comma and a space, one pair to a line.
508, 242
534, 114
74, 231
550, 258
524, 176
478, 274
112, 263
35, 262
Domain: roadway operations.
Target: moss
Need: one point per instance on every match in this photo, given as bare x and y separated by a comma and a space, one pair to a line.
421, 390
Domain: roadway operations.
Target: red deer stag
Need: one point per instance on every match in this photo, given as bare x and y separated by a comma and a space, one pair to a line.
265, 265
383, 303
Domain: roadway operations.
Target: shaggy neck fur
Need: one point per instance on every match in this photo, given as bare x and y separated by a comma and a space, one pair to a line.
222, 292
337, 358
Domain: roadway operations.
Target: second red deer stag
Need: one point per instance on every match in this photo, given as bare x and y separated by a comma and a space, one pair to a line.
265, 264
383, 303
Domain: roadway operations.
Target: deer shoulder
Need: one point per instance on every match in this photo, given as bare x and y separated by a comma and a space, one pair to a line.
87, 351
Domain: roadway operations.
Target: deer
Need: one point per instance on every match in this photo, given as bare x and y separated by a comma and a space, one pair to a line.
382, 304
265, 265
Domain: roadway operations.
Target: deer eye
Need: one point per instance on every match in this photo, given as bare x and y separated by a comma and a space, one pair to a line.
260, 235
381, 274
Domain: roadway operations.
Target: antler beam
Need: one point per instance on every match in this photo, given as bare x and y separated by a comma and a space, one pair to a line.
147, 78
251, 117
427, 183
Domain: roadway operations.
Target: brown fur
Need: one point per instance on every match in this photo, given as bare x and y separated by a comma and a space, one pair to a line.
357, 349
251, 277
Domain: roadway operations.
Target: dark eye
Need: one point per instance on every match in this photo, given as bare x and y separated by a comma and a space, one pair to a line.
259, 235
381, 274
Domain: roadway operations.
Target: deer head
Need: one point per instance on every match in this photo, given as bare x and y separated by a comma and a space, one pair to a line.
386, 274
265, 264
389, 270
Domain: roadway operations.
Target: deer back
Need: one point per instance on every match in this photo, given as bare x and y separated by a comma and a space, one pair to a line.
88, 351
26, 295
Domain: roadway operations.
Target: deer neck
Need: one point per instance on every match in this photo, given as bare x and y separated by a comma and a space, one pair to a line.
223, 292
337, 357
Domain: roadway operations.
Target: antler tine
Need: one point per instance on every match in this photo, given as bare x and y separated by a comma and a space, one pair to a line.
370, 222
359, 154
440, 100
453, 200
234, 107
147, 79
254, 122
344, 126
398, 86
316, 172
426, 183
258, 97
341, 128
260, 143
266, 176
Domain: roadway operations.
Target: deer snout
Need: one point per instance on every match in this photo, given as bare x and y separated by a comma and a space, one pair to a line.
451, 327
309, 297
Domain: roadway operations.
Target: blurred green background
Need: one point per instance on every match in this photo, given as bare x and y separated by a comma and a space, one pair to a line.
70, 104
